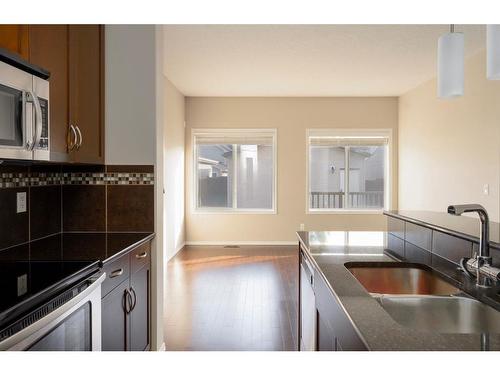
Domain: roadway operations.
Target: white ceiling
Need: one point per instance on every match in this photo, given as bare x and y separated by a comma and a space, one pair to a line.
305, 60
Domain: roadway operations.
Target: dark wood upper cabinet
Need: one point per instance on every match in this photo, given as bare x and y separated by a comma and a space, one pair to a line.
49, 49
15, 38
86, 78
74, 56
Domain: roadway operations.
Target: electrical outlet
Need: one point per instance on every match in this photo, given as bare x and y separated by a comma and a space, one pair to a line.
486, 189
21, 202
302, 227
22, 285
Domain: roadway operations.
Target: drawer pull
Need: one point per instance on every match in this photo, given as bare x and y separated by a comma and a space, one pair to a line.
141, 255
116, 273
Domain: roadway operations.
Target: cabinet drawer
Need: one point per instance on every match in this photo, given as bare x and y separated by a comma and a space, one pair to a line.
116, 271
140, 256
396, 245
396, 227
419, 236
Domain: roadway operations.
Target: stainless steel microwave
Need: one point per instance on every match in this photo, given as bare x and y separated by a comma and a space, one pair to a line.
24, 115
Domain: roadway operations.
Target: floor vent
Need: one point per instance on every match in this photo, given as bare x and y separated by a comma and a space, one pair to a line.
231, 247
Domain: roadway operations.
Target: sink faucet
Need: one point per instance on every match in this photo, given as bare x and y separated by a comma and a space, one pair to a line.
481, 265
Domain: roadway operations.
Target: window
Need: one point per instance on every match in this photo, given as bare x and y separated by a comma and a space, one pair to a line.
235, 170
348, 170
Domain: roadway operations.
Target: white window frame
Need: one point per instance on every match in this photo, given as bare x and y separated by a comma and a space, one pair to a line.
233, 133
352, 133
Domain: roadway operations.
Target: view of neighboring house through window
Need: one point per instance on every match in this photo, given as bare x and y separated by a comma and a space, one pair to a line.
234, 170
363, 187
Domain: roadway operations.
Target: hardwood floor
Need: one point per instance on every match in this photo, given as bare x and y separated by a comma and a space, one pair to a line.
232, 298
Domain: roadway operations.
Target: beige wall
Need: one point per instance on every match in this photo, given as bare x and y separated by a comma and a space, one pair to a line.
291, 117
174, 169
448, 149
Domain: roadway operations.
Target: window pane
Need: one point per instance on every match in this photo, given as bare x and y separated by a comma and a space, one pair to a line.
255, 176
215, 178
366, 176
326, 177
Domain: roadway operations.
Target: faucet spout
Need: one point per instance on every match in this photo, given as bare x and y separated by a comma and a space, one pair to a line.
484, 240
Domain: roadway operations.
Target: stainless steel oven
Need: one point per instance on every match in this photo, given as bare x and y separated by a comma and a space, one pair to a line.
24, 115
69, 321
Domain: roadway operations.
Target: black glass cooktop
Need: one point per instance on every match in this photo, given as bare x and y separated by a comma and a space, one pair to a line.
26, 284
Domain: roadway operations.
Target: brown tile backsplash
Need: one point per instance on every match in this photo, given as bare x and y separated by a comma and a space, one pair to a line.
84, 208
72, 198
130, 208
14, 226
45, 206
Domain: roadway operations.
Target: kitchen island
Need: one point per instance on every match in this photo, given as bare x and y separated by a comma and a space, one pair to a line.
350, 318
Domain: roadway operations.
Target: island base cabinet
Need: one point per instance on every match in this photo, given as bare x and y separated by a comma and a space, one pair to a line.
325, 336
335, 330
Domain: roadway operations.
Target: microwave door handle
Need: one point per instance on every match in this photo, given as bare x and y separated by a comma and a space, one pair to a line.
28, 142
38, 120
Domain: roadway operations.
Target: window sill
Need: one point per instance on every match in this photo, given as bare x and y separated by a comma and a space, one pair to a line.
345, 212
233, 212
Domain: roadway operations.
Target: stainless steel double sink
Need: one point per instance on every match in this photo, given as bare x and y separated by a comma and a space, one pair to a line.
416, 297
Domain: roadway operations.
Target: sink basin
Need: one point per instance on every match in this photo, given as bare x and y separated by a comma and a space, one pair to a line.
400, 278
442, 314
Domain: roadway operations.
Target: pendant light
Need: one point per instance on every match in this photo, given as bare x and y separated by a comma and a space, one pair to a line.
451, 64
493, 52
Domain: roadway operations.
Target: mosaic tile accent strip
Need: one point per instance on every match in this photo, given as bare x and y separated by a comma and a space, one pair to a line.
11, 180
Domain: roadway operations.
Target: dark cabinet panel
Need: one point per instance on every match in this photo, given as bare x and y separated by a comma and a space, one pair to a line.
139, 316
396, 227
49, 49
15, 38
86, 91
126, 301
326, 340
449, 247
333, 315
114, 319
419, 236
396, 245
415, 254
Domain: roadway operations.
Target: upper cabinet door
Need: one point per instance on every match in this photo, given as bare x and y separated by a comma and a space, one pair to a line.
49, 49
15, 38
86, 72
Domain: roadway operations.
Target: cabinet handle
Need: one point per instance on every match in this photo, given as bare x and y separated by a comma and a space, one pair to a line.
141, 255
79, 143
135, 299
116, 273
71, 143
127, 301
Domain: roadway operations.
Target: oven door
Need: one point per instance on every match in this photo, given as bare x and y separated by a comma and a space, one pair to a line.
75, 326
16, 113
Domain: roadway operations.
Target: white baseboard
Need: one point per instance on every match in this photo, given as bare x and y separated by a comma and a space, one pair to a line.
241, 243
179, 247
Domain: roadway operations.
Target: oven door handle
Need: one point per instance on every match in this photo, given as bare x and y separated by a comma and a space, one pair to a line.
40, 326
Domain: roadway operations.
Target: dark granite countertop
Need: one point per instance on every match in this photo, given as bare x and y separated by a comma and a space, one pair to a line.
329, 251
76, 246
460, 226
